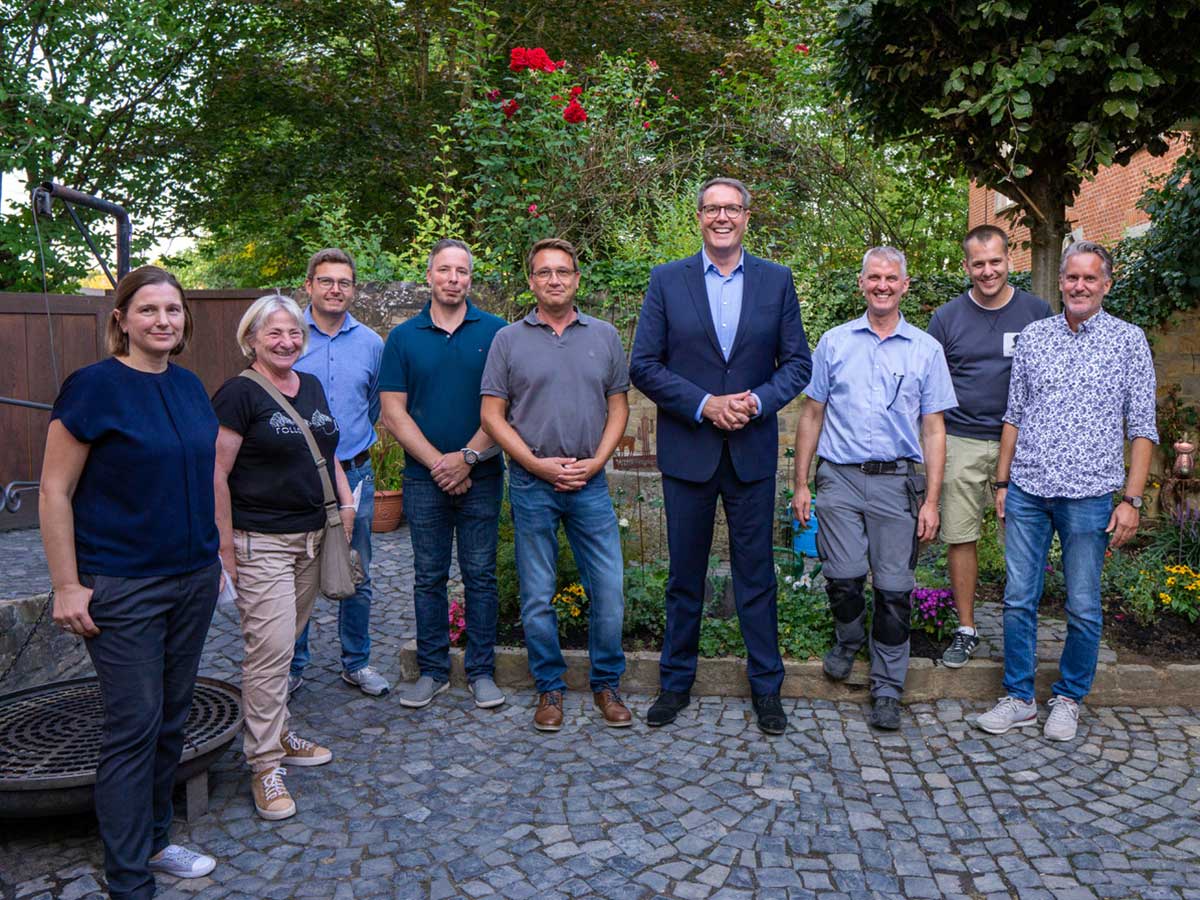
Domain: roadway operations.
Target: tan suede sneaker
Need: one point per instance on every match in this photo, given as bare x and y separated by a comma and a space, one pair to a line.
299, 752
271, 798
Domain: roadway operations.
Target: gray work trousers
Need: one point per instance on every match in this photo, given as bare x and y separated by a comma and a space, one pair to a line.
869, 522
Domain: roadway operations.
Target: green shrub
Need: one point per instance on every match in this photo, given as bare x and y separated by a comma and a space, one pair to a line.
834, 298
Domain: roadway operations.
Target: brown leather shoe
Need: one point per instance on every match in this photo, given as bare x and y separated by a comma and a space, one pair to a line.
612, 707
549, 715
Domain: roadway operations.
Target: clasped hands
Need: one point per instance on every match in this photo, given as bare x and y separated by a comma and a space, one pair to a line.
452, 474
566, 473
729, 412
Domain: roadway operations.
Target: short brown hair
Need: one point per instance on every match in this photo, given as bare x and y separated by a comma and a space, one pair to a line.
116, 339
551, 244
331, 255
985, 233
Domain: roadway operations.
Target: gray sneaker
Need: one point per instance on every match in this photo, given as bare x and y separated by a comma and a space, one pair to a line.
486, 693
295, 682
181, 862
959, 652
1063, 721
1009, 713
421, 692
367, 680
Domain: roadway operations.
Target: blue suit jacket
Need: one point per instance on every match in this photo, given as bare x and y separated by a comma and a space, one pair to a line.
677, 360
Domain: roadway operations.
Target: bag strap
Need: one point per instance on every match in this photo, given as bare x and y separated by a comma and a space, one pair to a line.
330, 496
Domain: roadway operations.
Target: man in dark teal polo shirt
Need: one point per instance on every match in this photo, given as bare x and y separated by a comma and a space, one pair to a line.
453, 473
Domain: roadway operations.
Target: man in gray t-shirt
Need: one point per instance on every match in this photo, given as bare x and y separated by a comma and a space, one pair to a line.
978, 331
554, 398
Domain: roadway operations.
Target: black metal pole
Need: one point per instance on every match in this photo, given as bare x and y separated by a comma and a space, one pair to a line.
124, 228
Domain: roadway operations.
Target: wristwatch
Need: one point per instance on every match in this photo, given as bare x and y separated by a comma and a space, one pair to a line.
997, 485
1135, 502
469, 456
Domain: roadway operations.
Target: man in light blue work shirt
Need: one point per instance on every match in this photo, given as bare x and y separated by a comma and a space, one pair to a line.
879, 388
345, 356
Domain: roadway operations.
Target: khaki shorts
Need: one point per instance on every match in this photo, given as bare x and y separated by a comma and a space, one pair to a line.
967, 487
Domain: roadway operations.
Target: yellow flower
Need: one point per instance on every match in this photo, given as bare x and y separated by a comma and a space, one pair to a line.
575, 612
1164, 597
1171, 581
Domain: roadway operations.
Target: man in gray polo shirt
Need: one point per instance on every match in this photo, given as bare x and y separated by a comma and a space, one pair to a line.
554, 398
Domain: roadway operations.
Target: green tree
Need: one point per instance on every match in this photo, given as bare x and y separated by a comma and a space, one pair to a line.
1030, 98
97, 96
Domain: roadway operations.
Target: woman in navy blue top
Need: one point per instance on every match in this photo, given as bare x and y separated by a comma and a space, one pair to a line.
128, 522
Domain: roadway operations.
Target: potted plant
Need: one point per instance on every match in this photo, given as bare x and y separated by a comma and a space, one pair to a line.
387, 460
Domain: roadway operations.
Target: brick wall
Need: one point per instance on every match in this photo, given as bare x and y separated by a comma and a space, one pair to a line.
1104, 209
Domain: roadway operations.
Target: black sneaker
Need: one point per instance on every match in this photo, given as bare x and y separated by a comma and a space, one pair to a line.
885, 713
771, 719
959, 652
666, 706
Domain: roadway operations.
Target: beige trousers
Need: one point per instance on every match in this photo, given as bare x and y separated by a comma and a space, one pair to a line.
278, 580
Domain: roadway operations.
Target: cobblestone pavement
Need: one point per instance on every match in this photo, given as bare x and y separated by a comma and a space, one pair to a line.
453, 801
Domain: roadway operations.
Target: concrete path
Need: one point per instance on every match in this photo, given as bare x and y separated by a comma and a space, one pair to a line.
452, 801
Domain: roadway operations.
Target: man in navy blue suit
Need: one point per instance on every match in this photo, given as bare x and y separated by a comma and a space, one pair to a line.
720, 348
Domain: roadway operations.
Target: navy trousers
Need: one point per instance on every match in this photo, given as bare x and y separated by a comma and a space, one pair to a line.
152, 633
750, 513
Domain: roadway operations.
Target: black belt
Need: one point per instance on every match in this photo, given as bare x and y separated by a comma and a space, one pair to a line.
359, 460
883, 466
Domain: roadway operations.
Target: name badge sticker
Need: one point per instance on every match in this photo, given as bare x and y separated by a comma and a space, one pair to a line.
1010, 342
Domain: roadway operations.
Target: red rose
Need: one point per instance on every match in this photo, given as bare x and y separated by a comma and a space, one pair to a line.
533, 209
652, 65
518, 59
494, 95
646, 125
556, 98
576, 91
574, 113
510, 108
801, 48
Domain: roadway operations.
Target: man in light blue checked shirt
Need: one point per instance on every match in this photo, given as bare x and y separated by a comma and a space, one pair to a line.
345, 356
1082, 384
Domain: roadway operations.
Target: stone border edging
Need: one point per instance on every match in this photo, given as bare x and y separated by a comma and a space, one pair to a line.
1116, 684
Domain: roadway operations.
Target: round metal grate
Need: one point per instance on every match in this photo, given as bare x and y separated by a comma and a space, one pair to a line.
50, 735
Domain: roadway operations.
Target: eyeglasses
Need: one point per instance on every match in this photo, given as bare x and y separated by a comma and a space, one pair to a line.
326, 282
560, 274
732, 210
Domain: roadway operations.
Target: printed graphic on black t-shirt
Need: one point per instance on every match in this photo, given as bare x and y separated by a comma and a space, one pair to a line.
274, 486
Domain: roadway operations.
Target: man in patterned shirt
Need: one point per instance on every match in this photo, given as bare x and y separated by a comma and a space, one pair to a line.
1082, 383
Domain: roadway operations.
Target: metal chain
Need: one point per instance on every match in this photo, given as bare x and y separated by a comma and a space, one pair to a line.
29, 637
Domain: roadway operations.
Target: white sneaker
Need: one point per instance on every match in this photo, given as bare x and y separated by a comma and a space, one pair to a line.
1063, 721
181, 862
368, 681
1009, 713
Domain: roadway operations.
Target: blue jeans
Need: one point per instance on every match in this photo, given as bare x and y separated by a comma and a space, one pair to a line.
354, 613
591, 525
1030, 523
434, 518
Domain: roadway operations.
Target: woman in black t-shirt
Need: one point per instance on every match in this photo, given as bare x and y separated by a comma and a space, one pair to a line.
271, 518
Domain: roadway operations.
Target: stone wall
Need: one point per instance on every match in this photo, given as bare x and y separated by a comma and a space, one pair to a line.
52, 654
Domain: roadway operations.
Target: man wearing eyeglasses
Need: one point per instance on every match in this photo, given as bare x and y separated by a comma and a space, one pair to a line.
873, 414
554, 398
345, 356
720, 349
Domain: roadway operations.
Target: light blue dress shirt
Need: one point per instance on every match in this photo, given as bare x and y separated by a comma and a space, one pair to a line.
347, 365
875, 391
725, 307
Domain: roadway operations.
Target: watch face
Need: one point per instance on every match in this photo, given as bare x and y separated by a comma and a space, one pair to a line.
470, 456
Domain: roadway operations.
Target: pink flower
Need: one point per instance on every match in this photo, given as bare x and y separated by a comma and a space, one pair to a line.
652, 65
801, 48
646, 125
533, 209
494, 95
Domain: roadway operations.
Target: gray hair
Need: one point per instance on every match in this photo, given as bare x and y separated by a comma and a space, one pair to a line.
890, 254
728, 182
1080, 247
447, 244
261, 310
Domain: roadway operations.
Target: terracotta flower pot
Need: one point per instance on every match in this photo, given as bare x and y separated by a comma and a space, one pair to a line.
389, 511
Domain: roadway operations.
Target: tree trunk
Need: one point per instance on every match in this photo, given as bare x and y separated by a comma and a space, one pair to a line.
1047, 228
